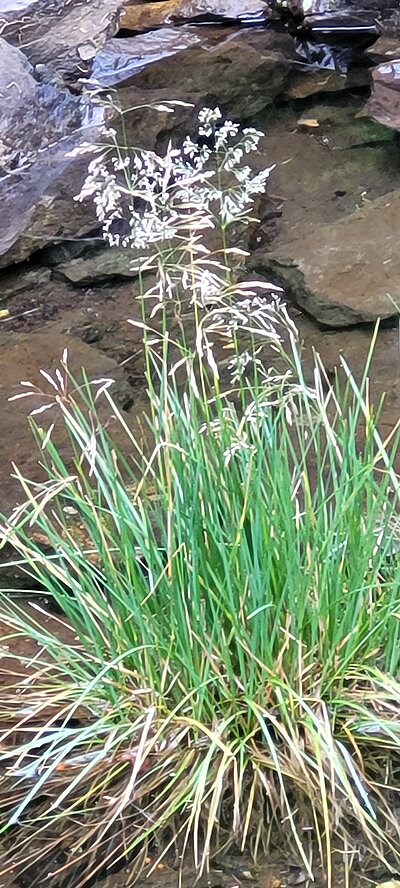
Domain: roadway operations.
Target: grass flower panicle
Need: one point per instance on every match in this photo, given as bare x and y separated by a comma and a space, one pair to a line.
170, 188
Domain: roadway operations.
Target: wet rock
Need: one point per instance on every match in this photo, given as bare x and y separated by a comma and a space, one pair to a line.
120, 60
137, 17
340, 27
59, 34
40, 125
109, 263
326, 7
342, 273
384, 104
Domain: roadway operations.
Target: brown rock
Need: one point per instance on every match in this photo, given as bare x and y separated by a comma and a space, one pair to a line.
243, 75
22, 357
120, 60
384, 104
301, 85
342, 273
385, 49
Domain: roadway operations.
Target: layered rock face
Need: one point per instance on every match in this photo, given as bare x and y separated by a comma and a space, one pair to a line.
57, 58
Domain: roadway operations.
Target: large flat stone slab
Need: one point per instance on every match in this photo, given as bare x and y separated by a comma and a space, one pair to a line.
344, 273
110, 263
243, 74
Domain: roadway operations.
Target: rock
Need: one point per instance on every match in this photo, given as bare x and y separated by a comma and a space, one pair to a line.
111, 262
322, 7
301, 85
243, 75
384, 104
23, 355
120, 60
60, 34
94, 331
40, 125
62, 252
385, 49
342, 273
137, 17
13, 282
151, 129
340, 27
309, 7
389, 22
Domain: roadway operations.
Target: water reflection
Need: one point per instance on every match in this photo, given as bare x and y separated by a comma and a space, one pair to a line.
121, 59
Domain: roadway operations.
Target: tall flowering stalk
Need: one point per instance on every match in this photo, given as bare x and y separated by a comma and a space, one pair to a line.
166, 208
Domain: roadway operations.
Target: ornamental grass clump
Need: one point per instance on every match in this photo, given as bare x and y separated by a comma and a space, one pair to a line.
232, 584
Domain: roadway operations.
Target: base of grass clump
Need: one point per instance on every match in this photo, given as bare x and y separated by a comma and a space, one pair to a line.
234, 599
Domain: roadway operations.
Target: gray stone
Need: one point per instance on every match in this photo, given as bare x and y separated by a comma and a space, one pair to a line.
41, 129
62, 35
111, 262
342, 273
120, 60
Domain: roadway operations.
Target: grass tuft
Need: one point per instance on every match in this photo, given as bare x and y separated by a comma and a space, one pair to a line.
223, 669
233, 677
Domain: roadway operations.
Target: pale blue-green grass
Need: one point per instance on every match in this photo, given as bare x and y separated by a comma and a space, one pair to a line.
234, 590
